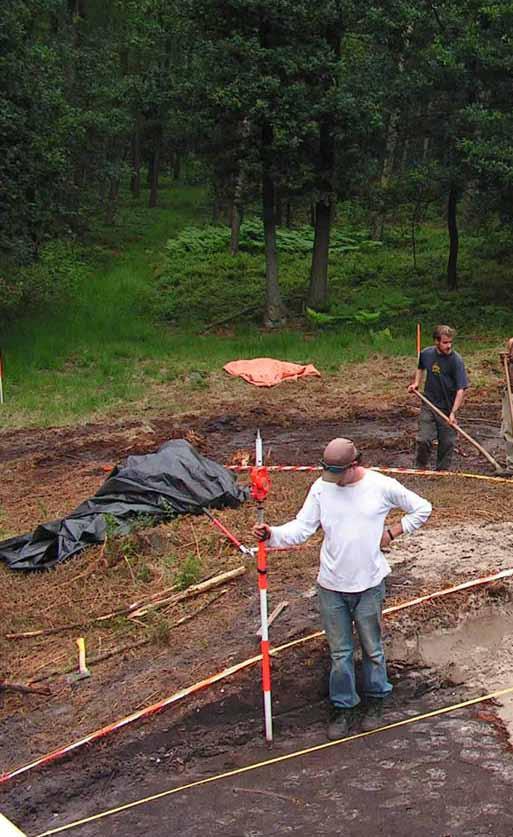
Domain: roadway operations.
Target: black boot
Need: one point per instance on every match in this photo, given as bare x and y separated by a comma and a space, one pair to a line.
373, 717
341, 723
423, 455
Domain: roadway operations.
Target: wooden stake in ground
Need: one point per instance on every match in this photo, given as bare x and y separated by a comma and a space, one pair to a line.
194, 590
458, 429
25, 690
274, 615
141, 607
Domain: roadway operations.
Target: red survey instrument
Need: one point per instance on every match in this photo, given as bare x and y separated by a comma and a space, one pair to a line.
260, 484
418, 341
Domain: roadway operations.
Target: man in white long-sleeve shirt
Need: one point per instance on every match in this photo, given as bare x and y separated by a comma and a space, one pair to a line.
351, 503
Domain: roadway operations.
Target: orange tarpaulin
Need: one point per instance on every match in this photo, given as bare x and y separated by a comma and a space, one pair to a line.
267, 372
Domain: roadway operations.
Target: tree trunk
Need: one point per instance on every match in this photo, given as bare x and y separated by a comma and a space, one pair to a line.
236, 208
318, 289
452, 226
135, 180
392, 137
425, 148
317, 296
235, 219
112, 200
288, 214
273, 314
155, 168
279, 209
177, 166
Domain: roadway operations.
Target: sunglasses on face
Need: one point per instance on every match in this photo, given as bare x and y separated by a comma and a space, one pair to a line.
337, 469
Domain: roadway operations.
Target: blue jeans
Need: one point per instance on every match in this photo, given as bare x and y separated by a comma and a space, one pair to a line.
338, 613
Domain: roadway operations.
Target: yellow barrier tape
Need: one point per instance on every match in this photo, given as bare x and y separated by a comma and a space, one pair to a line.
276, 760
414, 472
215, 678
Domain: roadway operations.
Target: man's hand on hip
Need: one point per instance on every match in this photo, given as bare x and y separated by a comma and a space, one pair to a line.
386, 539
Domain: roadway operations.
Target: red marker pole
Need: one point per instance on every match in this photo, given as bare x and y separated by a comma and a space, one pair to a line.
418, 341
260, 484
1, 379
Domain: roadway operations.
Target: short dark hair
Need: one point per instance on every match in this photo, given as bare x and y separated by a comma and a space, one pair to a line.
443, 331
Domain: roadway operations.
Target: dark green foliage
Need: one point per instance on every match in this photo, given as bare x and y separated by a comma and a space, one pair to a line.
201, 282
202, 241
373, 289
402, 109
52, 280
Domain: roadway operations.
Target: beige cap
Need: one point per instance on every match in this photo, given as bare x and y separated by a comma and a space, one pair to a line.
339, 453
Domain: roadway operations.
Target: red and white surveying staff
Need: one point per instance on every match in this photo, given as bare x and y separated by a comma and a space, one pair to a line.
260, 484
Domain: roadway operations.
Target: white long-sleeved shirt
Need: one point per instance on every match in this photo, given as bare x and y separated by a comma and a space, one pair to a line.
352, 519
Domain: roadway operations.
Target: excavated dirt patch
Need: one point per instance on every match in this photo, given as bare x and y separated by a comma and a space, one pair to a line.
440, 652
477, 653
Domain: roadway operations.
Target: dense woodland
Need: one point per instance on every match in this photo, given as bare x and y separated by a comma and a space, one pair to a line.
284, 109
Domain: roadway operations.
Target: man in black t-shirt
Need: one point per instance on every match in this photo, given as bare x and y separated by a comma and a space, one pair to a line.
507, 418
446, 382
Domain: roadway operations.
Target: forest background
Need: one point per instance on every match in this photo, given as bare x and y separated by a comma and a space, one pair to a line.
187, 182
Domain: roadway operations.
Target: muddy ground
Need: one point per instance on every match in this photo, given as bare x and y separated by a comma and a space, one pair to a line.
449, 775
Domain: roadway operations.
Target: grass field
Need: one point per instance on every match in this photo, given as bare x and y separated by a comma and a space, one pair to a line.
106, 351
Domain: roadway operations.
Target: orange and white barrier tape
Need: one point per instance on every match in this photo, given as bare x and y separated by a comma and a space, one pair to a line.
238, 771
227, 672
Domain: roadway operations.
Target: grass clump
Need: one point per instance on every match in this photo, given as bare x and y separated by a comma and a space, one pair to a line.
188, 573
158, 628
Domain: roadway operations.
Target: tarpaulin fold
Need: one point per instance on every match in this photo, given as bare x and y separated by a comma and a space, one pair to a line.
174, 480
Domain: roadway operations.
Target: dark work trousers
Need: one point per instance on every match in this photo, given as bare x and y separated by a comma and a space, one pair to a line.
432, 427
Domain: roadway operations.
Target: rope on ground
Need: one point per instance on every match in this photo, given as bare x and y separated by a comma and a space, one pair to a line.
414, 472
227, 672
276, 760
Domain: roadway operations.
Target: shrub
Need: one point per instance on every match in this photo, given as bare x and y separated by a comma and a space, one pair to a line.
53, 278
201, 282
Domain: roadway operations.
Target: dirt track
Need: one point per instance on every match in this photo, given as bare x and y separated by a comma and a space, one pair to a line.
447, 776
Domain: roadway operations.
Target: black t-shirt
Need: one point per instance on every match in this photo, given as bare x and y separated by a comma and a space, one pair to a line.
445, 375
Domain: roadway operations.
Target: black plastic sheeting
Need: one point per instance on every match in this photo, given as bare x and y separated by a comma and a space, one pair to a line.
174, 480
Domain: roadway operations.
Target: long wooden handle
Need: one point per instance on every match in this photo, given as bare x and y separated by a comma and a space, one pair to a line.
458, 429
508, 385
